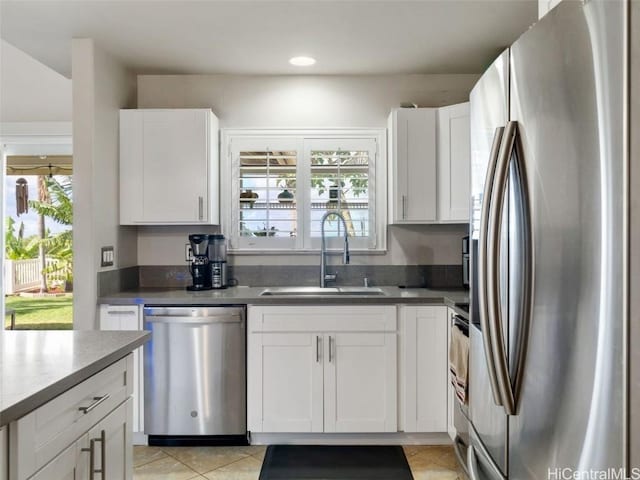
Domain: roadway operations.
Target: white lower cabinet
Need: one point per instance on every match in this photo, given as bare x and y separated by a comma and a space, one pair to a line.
425, 368
86, 428
322, 369
110, 440
360, 382
65, 466
4, 454
129, 317
287, 396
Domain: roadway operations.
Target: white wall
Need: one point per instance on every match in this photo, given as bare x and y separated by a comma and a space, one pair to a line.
30, 91
101, 86
244, 101
306, 102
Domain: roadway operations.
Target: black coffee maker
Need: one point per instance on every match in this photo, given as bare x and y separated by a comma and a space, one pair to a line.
199, 264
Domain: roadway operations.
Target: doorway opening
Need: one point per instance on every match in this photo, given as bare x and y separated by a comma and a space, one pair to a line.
38, 240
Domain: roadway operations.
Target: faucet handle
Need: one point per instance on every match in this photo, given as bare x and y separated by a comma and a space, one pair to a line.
366, 282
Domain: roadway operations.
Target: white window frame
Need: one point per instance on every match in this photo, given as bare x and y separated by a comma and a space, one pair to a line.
274, 138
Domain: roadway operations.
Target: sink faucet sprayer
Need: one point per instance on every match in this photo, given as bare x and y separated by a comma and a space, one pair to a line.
324, 276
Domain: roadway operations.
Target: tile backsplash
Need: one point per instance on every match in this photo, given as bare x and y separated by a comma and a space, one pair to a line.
177, 276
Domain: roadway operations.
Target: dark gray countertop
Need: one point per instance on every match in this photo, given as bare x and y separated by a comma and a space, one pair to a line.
36, 366
251, 296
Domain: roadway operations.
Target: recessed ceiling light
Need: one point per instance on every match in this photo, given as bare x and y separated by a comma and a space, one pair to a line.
302, 61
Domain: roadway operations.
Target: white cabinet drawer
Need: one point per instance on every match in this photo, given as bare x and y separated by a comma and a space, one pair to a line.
39, 436
379, 318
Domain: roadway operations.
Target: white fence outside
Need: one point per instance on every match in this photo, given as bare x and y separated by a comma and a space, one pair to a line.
23, 275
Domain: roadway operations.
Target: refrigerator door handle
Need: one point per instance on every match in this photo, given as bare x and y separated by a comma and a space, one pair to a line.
482, 264
526, 299
506, 385
493, 269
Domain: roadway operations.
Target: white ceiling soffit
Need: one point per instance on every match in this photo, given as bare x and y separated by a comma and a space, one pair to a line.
258, 37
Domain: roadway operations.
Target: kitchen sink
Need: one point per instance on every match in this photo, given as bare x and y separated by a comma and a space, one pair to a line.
318, 291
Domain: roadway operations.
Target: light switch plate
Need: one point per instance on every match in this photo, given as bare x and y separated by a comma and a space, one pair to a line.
107, 256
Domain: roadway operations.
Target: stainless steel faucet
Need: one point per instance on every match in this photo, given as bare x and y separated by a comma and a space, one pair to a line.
324, 276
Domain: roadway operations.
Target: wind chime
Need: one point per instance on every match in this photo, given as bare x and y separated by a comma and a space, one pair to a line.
22, 196
22, 193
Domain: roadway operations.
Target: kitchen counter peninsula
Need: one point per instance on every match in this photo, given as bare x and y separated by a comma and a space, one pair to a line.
37, 366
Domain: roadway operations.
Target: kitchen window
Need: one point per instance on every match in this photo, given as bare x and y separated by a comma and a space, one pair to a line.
280, 186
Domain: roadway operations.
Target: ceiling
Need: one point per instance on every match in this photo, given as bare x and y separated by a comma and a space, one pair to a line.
258, 37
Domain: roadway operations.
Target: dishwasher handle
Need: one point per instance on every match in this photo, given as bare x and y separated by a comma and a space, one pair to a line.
193, 320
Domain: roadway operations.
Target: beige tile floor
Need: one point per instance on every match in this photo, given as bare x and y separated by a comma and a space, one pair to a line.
243, 463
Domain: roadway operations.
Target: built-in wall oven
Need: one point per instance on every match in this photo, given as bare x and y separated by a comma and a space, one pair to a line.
461, 409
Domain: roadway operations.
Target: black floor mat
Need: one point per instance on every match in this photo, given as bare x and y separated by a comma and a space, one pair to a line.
322, 462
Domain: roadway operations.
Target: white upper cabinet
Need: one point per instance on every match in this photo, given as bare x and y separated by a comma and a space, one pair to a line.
454, 151
545, 5
412, 165
429, 152
169, 167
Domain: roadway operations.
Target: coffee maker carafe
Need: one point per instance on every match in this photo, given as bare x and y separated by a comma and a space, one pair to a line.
199, 264
218, 261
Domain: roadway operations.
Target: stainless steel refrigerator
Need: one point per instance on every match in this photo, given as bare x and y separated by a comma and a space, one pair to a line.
547, 361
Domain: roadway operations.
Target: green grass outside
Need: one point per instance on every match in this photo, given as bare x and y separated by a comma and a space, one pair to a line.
41, 313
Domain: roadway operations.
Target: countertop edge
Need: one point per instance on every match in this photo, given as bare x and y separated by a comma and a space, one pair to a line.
251, 296
27, 405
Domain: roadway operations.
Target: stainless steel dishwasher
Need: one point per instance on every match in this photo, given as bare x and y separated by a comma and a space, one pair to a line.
195, 375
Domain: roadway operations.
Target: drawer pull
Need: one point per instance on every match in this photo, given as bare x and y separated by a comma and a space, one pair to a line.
97, 401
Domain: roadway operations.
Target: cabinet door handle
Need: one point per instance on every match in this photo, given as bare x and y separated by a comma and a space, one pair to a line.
318, 348
404, 207
97, 401
330, 349
121, 312
92, 466
200, 208
103, 454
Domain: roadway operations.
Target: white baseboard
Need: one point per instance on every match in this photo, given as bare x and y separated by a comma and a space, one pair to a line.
399, 438
140, 438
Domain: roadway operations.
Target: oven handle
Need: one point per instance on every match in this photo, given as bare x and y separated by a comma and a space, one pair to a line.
472, 463
458, 444
477, 453
461, 323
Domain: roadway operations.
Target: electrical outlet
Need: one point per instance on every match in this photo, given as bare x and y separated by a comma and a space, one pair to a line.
187, 252
107, 256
